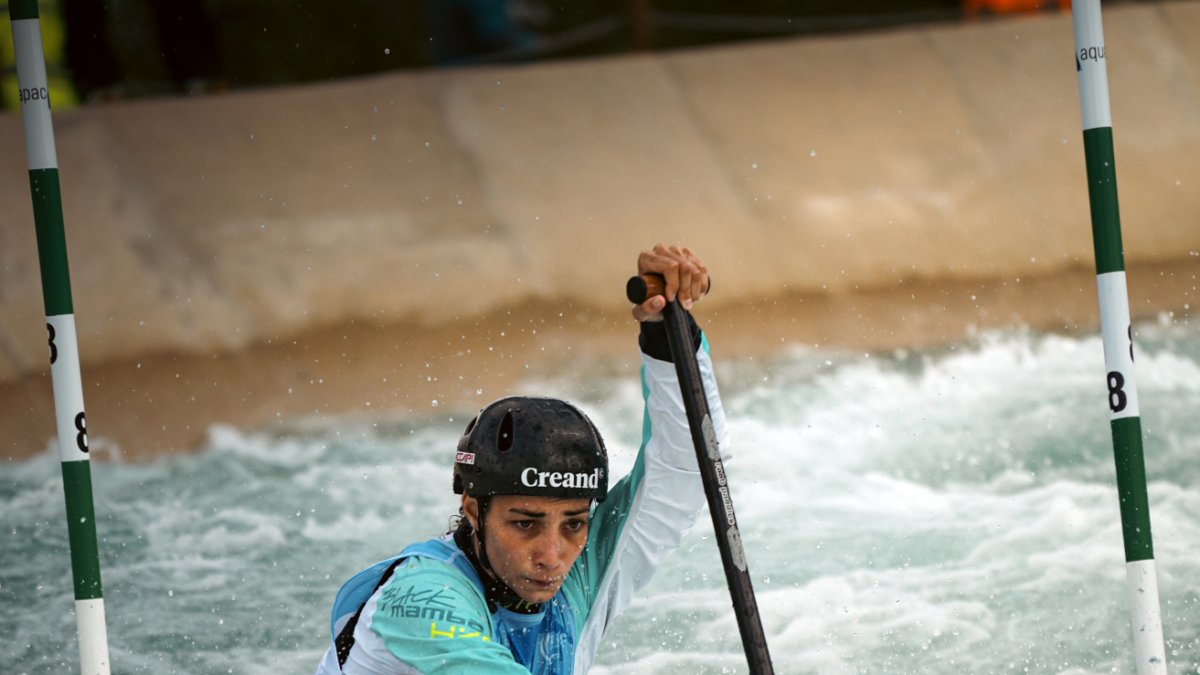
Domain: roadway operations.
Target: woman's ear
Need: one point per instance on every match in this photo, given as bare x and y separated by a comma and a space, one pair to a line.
470, 509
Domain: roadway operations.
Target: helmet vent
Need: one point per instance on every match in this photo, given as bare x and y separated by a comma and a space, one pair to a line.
504, 439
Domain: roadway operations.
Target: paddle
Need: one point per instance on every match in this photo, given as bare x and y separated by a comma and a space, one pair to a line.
712, 471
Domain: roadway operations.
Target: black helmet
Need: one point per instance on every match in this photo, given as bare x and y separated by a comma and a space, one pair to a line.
531, 446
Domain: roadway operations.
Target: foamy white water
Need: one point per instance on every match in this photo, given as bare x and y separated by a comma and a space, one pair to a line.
949, 511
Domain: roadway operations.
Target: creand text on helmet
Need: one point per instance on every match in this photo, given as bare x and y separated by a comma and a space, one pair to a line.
532, 477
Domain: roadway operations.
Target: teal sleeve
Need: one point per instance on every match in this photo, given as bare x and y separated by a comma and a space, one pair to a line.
604, 531
609, 517
645, 515
605, 527
432, 619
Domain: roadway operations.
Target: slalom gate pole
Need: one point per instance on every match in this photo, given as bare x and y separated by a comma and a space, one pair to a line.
1117, 334
60, 325
712, 472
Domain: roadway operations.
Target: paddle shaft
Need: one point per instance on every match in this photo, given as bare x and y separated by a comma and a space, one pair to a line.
712, 474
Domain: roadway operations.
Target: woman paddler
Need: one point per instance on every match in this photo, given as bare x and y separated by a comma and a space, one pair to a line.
544, 556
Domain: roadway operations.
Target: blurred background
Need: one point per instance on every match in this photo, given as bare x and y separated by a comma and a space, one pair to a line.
123, 49
282, 208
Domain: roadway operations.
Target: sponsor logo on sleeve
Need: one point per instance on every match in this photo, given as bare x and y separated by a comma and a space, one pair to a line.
464, 457
435, 605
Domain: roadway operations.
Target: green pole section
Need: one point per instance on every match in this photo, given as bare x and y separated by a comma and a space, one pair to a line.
1117, 334
71, 422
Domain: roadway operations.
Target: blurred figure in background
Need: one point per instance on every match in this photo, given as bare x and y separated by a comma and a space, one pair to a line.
975, 8
128, 48
461, 29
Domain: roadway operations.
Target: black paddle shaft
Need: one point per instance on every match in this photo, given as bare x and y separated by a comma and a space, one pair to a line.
712, 475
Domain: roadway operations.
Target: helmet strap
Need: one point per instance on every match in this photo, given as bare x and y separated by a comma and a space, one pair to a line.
485, 503
495, 591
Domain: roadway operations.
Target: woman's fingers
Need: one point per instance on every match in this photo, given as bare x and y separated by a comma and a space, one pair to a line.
684, 274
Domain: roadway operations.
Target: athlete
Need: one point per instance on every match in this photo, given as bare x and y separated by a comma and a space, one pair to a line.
544, 556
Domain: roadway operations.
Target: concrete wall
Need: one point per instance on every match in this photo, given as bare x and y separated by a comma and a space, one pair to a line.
829, 166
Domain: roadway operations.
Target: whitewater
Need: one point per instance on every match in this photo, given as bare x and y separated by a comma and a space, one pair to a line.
949, 510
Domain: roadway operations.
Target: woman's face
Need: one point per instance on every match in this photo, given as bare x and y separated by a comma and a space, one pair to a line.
532, 541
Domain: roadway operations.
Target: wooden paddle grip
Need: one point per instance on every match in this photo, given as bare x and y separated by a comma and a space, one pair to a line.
642, 287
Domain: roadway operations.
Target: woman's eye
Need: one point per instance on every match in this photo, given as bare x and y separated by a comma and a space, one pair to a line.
523, 524
576, 525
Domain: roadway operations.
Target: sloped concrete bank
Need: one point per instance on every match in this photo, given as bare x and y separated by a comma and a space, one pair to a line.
851, 191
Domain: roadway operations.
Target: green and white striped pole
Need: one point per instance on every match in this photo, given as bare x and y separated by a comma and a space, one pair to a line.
60, 326
1117, 334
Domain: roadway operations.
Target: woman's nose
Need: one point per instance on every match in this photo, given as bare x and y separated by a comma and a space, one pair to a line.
548, 551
